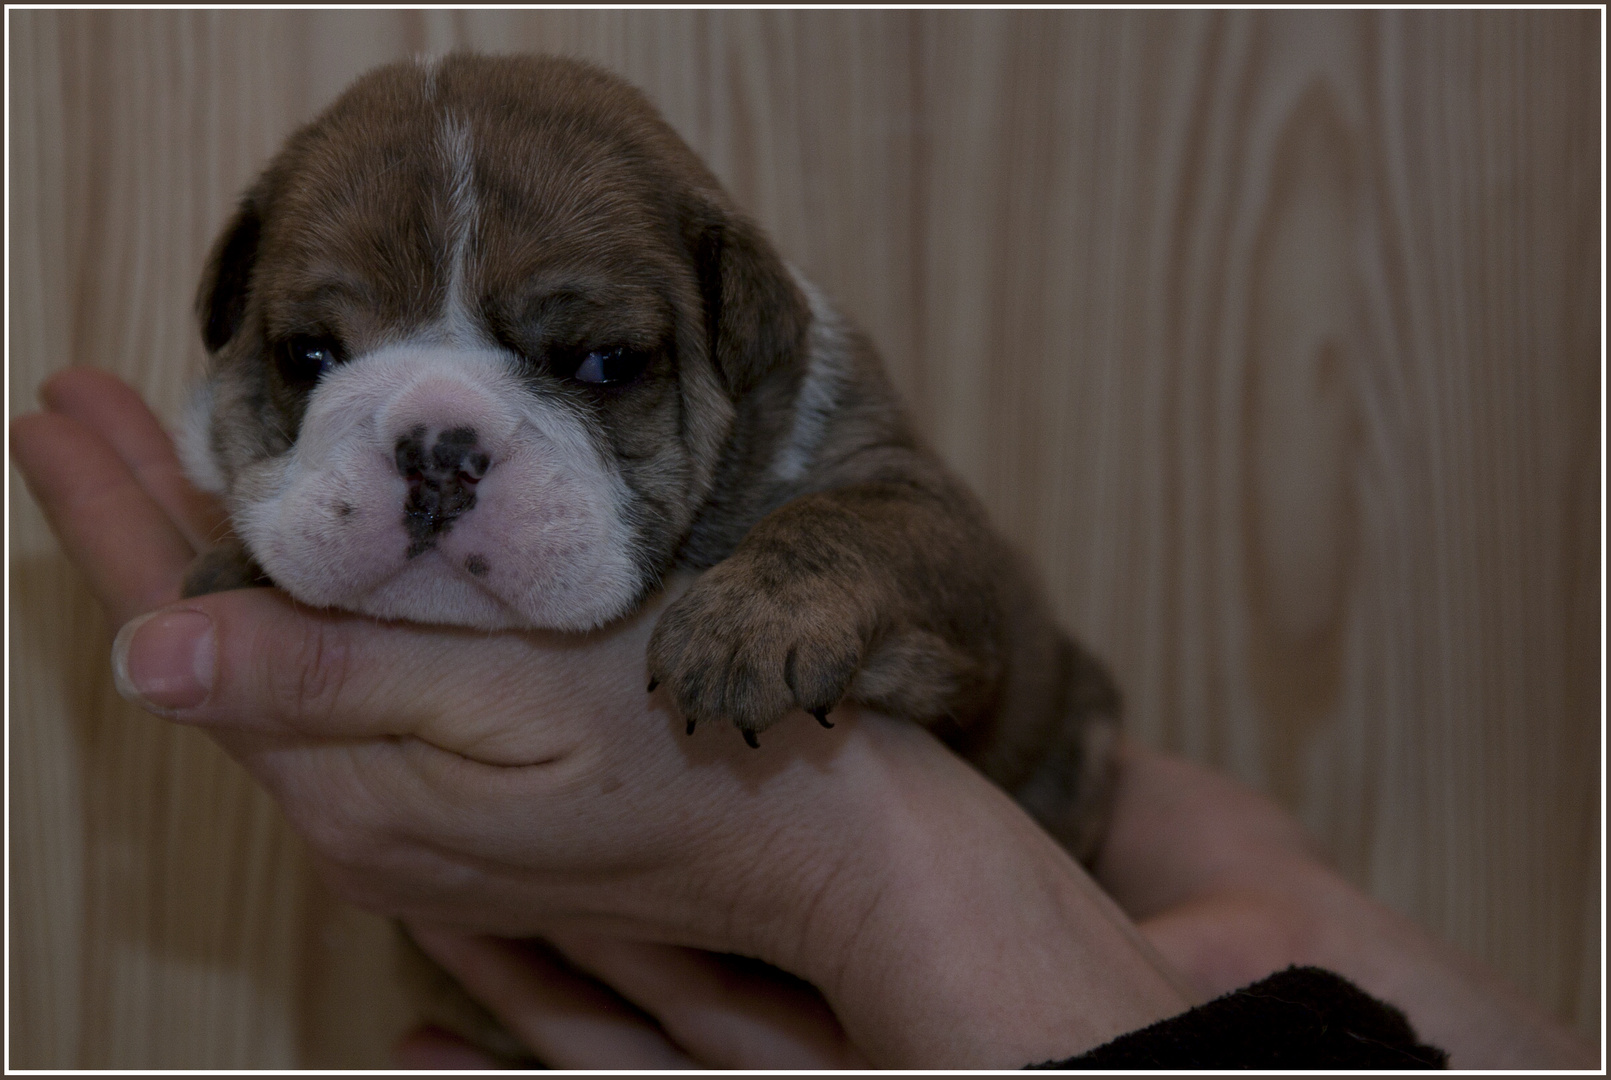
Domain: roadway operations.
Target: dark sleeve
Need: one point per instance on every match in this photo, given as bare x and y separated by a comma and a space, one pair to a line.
1300, 1018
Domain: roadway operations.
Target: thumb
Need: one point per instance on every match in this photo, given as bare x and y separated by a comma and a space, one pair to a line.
254, 660
251, 660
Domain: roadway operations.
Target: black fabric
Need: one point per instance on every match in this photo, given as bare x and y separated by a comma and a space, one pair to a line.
1300, 1018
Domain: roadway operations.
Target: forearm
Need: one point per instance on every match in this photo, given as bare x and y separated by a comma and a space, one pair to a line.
1224, 883
1452, 1001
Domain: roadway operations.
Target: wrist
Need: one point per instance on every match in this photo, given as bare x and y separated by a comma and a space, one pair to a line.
945, 928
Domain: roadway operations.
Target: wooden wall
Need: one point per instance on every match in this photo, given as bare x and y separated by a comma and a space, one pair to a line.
1272, 337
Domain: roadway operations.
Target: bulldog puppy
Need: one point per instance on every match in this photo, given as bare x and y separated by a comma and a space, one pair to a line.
490, 346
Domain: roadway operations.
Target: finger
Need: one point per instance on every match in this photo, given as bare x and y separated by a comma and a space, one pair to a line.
374, 830
124, 542
1178, 830
727, 1012
1220, 943
253, 660
429, 1048
108, 406
568, 1021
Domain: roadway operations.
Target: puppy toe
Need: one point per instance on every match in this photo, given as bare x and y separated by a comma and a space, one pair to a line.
819, 671
730, 651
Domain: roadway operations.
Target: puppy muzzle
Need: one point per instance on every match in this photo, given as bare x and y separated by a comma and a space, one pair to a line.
429, 483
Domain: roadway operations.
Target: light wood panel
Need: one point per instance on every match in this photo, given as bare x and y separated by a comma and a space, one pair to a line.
1271, 337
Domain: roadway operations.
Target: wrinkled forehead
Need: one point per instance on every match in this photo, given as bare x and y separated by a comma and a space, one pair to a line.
387, 217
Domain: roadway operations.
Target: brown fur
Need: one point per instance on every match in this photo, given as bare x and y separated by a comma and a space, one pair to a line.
861, 571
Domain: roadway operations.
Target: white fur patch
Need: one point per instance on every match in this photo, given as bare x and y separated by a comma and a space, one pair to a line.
194, 441
547, 543
819, 389
459, 155
428, 65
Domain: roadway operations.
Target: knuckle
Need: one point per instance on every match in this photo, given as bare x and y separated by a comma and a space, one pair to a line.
305, 682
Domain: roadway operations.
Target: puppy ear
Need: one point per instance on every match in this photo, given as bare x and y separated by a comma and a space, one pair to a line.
755, 315
221, 302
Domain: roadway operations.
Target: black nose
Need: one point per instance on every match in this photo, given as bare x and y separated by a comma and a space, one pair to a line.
441, 481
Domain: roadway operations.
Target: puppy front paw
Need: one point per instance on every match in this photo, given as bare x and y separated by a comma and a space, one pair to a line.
742, 649
227, 566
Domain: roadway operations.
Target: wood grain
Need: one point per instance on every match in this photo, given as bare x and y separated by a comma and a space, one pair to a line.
1271, 337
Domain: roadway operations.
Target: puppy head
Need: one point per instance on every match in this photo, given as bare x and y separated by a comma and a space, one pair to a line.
480, 334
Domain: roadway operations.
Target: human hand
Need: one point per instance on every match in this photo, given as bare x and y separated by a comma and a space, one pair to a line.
1220, 880
1229, 888
524, 784
1216, 875
1224, 883
603, 1003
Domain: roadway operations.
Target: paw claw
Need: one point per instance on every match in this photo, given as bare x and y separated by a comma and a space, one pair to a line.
739, 649
690, 725
749, 737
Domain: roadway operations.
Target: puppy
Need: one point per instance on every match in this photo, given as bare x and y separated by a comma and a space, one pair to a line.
491, 347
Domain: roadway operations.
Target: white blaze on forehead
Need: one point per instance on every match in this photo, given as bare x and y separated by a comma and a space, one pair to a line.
428, 65
818, 397
547, 541
458, 155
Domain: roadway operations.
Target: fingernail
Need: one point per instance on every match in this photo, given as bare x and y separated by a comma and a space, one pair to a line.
165, 660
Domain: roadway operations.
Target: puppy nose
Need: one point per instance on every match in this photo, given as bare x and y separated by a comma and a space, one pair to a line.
442, 470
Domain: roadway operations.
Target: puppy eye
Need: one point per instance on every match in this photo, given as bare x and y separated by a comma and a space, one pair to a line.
611, 367
302, 360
